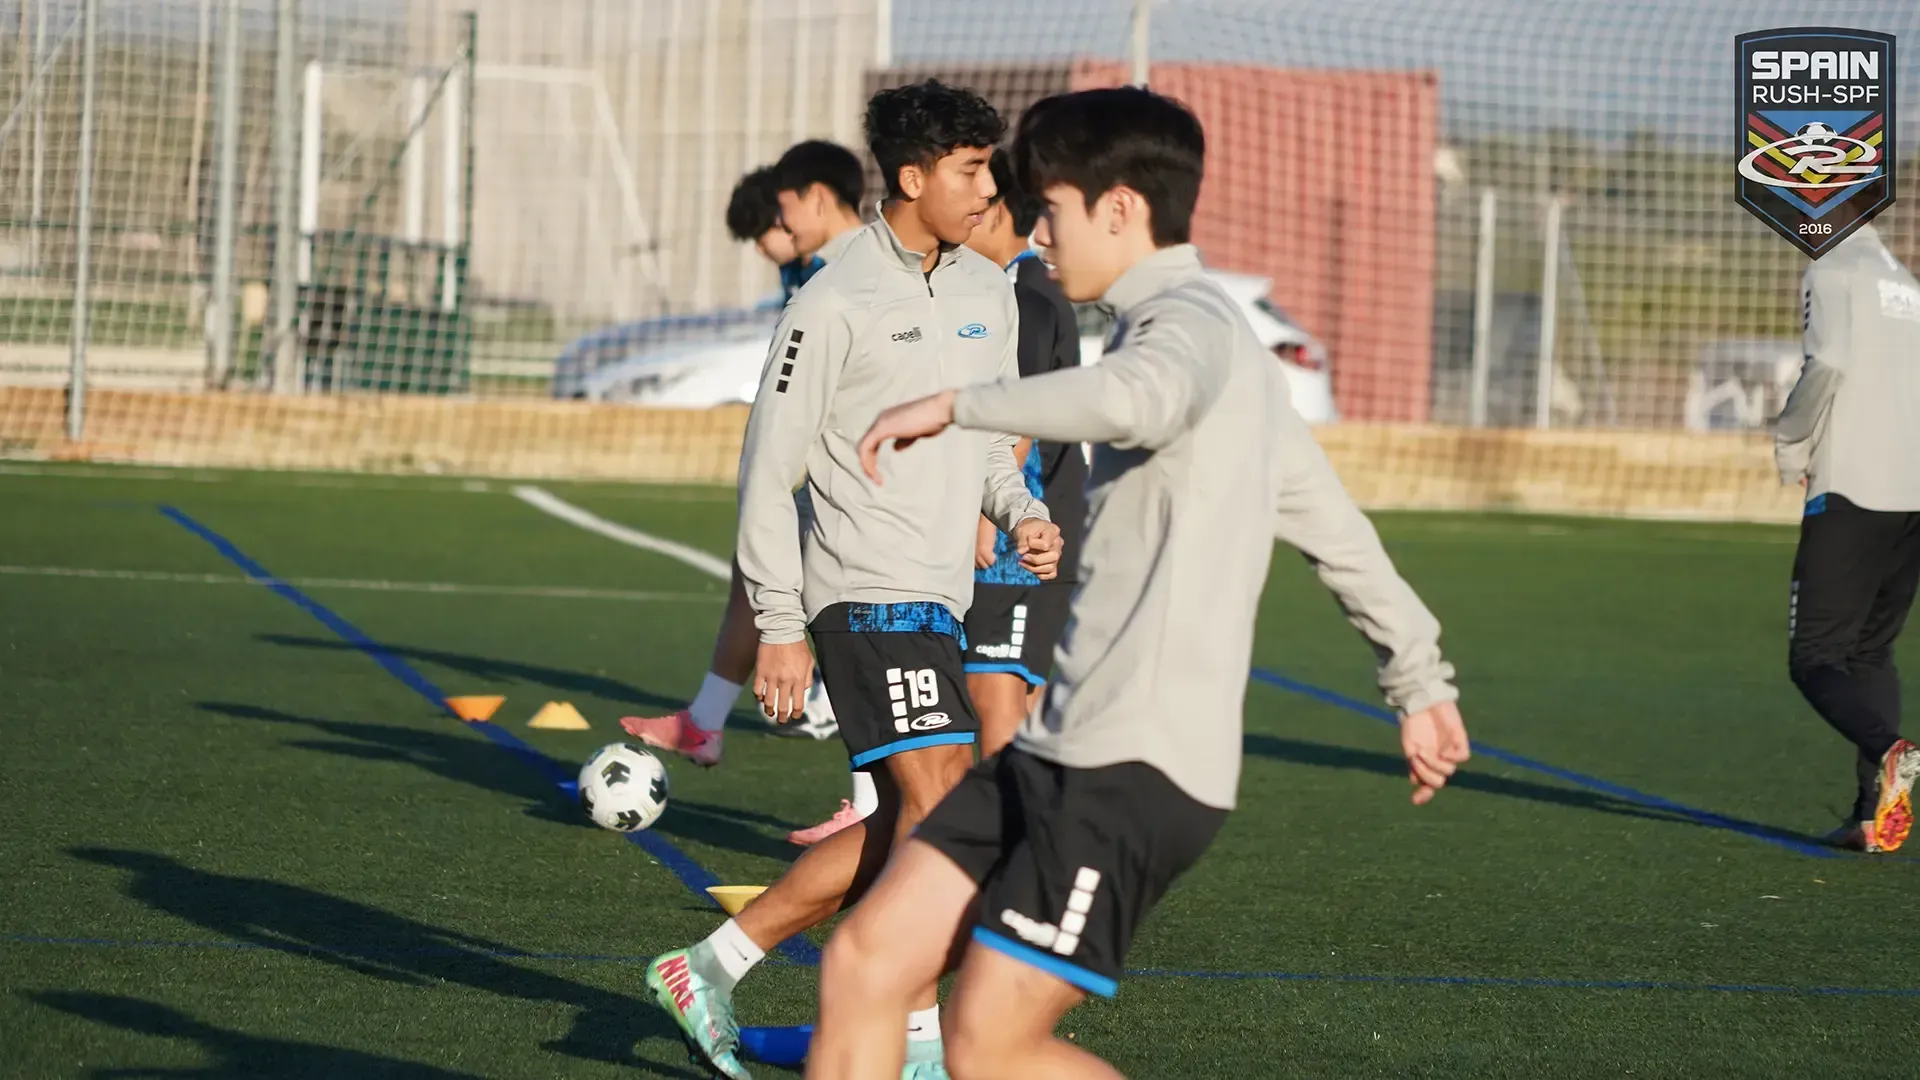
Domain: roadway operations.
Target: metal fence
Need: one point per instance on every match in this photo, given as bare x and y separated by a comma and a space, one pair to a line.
1493, 213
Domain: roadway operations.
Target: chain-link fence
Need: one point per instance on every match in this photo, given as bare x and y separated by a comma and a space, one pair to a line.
1475, 213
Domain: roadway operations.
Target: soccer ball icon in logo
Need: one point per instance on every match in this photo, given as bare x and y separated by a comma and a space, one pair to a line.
1816, 134
623, 788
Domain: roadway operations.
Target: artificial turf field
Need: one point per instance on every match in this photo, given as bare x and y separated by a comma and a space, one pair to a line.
238, 844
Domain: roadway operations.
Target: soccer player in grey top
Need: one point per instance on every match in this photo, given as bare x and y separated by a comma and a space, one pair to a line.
1850, 432
887, 573
1048, 855
800, 213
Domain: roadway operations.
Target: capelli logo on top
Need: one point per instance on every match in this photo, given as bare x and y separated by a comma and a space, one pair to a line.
907, 337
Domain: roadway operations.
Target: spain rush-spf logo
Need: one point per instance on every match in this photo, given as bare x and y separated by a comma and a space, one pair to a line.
1815, 129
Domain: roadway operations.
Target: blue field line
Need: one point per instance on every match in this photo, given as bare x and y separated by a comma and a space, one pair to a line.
1471, 981
691, 874
1591, 783
1526, 983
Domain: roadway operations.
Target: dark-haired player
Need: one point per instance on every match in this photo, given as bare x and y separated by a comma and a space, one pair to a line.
817, 185
1850, 432
1050, 854
887, 575
1016, 618
800, 213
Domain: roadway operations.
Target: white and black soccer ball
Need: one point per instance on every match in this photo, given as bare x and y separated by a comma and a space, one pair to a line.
1816, 134
623, 788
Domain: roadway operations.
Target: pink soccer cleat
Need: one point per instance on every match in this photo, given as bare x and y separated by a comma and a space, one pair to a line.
677, 733
841, 818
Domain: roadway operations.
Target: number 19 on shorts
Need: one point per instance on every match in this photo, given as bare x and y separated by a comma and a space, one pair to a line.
913, 691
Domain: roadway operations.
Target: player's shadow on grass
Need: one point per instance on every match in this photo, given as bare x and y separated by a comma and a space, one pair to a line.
1324, 755
728, 827
464, 758
450, 755
231, 1053
378, 944
495, 672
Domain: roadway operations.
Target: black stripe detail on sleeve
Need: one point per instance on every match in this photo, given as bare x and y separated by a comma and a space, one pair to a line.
780, 387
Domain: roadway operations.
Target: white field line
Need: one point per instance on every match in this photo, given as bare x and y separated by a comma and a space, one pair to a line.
574, 515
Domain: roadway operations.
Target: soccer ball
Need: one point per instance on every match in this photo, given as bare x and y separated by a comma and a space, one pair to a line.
1816, 134
623, 788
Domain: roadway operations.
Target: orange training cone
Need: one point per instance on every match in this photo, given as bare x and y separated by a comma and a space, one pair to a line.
475, 709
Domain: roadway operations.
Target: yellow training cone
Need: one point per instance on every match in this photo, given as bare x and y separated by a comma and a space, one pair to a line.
732, 898
475, 709
558, 716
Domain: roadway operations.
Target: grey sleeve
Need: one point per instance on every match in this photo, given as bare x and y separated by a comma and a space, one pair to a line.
1006, 501
1826, 337
796, 389
1314, 513
1144, 395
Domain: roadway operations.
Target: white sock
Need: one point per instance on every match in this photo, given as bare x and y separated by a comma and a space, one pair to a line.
866, 798
714, 701
924, 1026
733, 951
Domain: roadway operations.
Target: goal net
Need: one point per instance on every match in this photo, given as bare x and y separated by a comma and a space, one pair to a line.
1494, 242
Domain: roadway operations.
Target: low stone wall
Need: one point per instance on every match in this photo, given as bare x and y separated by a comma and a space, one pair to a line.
1644, 474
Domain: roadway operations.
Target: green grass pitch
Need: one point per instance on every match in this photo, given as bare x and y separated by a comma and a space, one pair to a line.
236, 845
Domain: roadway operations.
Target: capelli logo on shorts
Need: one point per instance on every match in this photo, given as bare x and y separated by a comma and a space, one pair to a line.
932, 721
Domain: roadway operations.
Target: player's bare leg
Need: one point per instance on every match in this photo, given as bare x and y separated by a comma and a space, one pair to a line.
1000, 700
836, 872
695, 732
890, 951
1000, 1021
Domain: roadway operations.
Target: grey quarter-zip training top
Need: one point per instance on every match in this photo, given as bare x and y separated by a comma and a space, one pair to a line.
869, 331
1199, 463
1851, 427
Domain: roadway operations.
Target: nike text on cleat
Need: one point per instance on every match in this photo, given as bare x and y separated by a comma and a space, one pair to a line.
702, 1012
677, 733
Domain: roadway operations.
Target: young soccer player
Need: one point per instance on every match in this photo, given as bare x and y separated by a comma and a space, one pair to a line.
817, 185
1850, 432
887, 575
1062, 844
1016, 618
753, 216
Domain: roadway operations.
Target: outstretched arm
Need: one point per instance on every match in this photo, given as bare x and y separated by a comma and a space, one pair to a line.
1314, 513
1143, 395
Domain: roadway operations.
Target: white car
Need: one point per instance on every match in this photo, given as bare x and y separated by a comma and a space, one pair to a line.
698, 362
1301, 355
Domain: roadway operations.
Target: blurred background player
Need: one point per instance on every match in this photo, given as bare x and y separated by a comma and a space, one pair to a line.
817, 189
1054, 851
886, 576
1016, 618
818, 184
1850, 432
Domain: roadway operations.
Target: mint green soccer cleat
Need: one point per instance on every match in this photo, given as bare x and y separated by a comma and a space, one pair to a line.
703, 1012
925, 1061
